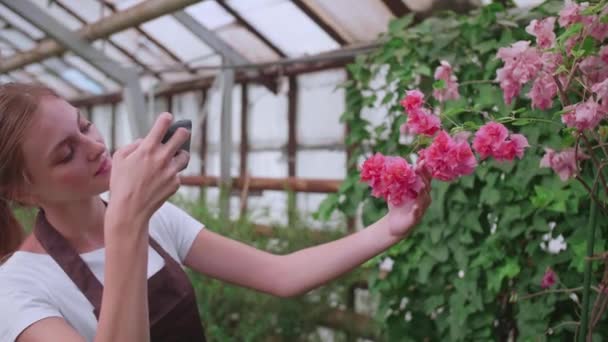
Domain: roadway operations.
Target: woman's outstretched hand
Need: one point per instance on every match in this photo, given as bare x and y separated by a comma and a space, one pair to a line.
403, 218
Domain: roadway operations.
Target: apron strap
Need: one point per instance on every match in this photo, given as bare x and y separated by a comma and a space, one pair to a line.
71, 263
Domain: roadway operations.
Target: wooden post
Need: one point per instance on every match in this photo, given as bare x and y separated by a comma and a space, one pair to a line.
203, 151
244, 141
113, 128
169, 100
226, 143
292, 141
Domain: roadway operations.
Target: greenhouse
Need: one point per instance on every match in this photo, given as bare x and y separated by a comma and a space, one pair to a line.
330, 170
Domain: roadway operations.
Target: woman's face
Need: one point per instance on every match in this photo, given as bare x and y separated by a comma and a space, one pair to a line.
65, 155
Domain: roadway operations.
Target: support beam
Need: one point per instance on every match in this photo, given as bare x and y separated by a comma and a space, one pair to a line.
145, 11
322, 186
397, 7
305, 7
159, 45
126, 77
204, 144
292, 143
285, 67
46, 68
209, 37
226, 143
250, 28
129, 55
232, 56
244, 141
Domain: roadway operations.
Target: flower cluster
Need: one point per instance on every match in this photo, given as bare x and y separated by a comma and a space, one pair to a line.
493, 140
391, 178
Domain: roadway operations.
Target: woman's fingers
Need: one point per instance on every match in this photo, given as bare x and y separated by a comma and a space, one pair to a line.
180, 161
173, 146
161, 125
128, 149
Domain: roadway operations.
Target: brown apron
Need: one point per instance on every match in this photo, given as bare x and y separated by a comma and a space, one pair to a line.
172, 303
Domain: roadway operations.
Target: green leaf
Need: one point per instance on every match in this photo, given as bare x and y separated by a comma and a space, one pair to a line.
439, 84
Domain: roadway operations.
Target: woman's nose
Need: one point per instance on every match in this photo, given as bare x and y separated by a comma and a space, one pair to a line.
94, 148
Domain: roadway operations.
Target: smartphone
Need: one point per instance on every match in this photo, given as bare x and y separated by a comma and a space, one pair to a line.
187, 124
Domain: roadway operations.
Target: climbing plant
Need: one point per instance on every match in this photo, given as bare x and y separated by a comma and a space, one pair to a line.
503, 251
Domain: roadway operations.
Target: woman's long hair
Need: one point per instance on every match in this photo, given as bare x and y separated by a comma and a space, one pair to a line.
18, 105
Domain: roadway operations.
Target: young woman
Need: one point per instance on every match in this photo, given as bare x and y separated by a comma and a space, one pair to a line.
97, 271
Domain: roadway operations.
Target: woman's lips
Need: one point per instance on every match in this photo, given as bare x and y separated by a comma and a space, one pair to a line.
104, 167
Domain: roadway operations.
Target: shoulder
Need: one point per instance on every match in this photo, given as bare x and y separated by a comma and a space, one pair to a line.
24, 294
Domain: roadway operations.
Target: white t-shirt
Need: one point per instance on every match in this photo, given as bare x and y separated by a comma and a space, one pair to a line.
33, 286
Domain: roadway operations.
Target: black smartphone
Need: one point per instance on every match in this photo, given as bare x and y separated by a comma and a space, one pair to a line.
187, 124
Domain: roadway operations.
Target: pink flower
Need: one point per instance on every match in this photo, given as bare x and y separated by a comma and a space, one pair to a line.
594, 68
450, 91
596, 28
371, 172
544, 87
571, 13
447, 159
604, 54
543, 31
488, 138
521, 64
549, 279
583, 115
492, 139
601, 89
543, 91
422, 121
391, 178
413, 100
509, 149
400, 181
563, 163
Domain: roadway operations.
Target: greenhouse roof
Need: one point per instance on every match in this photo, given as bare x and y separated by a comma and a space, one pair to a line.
186, 42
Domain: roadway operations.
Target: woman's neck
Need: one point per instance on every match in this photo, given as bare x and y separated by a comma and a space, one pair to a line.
80, 222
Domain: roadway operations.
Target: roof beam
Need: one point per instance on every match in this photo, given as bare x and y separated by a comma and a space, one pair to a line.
160, 46
116, 46
229, 54
120, 21
397, 7
128, 78
46, 68
250, 28
42, 63
210, 38
322, 22
285, 67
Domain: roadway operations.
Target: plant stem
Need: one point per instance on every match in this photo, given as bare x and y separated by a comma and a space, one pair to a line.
477, 82
592, 224
536, 294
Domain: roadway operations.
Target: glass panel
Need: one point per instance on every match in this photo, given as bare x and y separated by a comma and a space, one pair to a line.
363, 22
124, 4
113, 52
247, 44
175, 37
74, 76
58, 13
210, 14
18, 39
59, 86
19, 22
89, 10
91, 71
286, 26
142, 48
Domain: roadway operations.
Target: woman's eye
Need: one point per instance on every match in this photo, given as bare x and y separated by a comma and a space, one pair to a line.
86, 127
68, 157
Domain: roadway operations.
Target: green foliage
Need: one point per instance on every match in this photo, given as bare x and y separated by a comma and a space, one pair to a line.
468, 267
232, 313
